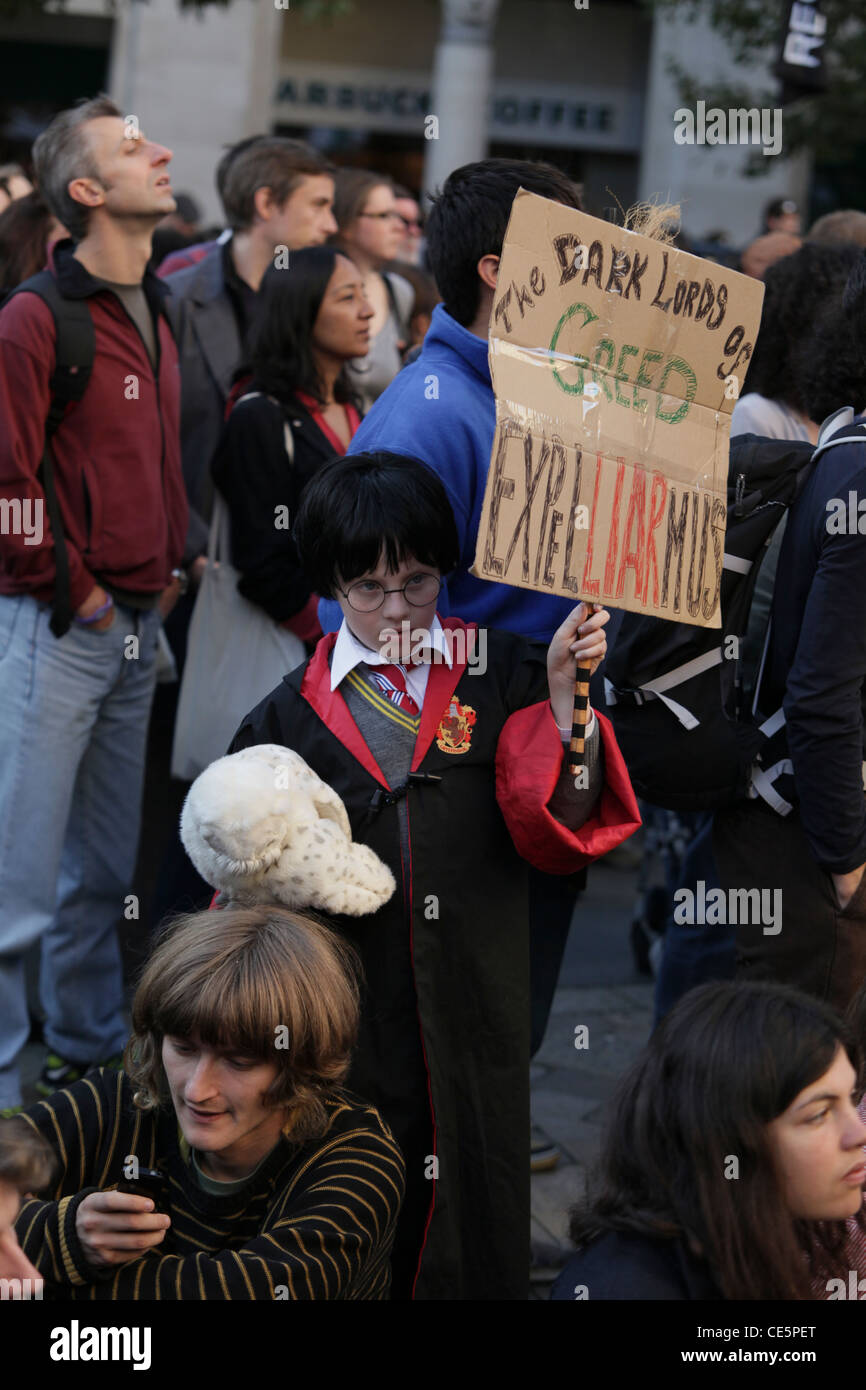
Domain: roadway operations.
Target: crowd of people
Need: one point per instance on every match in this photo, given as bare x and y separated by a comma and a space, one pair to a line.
243, 493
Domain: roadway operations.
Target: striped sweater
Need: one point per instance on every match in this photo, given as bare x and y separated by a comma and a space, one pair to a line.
317, 1220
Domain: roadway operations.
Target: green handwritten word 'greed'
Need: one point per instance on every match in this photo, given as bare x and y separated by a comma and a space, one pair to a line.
602, 371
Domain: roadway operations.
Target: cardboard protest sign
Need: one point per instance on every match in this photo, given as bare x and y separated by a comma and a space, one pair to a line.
616, 362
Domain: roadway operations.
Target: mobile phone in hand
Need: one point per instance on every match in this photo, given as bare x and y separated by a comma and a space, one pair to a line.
149, 1183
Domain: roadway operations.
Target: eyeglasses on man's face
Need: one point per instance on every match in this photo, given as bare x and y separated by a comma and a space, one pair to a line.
368, 594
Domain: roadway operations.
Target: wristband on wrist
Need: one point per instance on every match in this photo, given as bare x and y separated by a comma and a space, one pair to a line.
565, 734
94, 617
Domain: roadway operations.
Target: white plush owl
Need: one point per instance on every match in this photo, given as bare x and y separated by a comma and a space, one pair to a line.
261, 826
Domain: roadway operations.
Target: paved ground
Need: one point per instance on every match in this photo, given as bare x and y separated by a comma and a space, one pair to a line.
601, 991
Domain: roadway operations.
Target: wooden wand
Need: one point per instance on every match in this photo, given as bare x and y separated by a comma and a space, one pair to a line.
580, 717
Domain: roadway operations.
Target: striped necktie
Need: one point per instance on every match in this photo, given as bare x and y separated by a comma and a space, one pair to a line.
391, 680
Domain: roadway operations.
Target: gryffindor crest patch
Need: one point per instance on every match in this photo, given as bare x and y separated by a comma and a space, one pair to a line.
454, 734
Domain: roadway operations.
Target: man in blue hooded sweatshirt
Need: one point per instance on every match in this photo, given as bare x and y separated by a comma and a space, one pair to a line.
441, 409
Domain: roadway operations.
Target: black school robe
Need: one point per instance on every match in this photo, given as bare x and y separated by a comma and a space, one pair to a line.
443, 1051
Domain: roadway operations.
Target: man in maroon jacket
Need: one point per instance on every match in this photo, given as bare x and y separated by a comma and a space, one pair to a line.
75, 707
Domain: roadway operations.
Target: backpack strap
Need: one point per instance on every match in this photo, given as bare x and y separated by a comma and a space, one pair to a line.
657, 688
761, 785
756, 638
288, 438
73, 363
842, 419
843, 439
219, 537
761, 779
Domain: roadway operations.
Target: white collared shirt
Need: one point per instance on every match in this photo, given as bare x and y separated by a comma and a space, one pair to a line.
349, 653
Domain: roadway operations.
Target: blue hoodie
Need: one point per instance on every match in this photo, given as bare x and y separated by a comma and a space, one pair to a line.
441, 409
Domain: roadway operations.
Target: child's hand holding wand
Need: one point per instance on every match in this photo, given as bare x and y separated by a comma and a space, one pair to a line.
580, 640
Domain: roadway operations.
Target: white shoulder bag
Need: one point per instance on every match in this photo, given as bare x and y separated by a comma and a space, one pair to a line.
236, 654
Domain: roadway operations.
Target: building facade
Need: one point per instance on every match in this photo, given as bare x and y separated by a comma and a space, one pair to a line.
586, 87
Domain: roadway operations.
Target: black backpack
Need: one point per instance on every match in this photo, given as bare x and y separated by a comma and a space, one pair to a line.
684, 700
73, 364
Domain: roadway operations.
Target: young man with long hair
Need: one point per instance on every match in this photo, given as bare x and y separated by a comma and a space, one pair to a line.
267, 1179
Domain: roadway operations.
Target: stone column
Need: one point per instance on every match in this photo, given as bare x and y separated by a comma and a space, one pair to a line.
456, 128
196, 82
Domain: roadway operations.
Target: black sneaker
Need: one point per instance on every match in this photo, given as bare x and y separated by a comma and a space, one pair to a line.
59, 1072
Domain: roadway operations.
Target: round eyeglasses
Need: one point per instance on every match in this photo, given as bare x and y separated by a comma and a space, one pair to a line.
368, 594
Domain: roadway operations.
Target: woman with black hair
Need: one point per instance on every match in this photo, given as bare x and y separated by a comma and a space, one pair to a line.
829, 365
799, 289
27, 228
295, 412
733, 1158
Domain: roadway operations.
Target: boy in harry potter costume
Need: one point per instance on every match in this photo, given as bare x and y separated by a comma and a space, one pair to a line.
455, 772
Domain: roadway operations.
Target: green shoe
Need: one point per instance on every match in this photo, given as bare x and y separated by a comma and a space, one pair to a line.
11, 1111
59, 1072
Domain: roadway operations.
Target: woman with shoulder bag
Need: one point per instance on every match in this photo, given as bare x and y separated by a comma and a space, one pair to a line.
295, 412
292, 411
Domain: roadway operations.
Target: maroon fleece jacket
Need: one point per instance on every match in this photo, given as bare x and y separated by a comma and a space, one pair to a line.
116, 452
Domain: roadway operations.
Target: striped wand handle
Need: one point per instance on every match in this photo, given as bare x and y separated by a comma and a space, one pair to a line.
580, 718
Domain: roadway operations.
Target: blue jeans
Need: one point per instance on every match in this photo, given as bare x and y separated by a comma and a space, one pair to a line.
73, 725
694, 955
